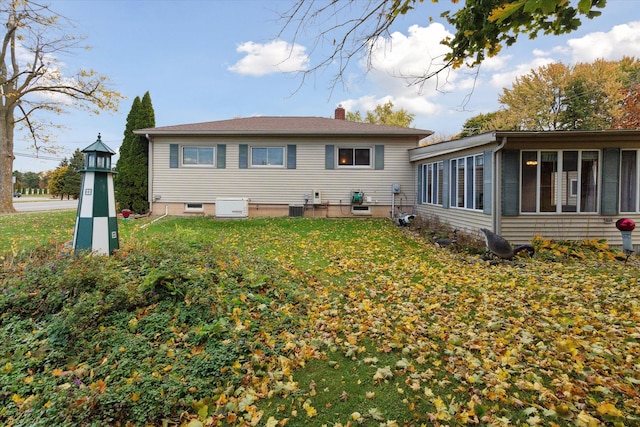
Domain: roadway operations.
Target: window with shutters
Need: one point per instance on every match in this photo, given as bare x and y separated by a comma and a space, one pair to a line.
198, 156
267, 156
559, 181
354, 157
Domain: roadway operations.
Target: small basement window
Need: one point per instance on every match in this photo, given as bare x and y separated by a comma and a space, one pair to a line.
193, 207
361, 210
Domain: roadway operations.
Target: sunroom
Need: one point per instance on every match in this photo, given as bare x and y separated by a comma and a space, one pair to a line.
562, 185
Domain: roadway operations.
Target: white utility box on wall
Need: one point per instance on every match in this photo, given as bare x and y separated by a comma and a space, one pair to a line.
317, 197
232, 207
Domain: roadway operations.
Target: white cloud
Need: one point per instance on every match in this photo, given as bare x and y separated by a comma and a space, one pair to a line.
505, 79
443, 98
412, 104
401, 59
274, 57
495, 62
396, 63
622, 40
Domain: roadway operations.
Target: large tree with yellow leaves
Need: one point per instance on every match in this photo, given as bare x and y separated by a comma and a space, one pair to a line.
32, 81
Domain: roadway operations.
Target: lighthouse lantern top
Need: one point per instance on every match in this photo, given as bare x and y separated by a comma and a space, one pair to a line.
625, 224
97, 156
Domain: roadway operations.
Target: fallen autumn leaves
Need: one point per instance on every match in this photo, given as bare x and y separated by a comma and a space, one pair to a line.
300, 322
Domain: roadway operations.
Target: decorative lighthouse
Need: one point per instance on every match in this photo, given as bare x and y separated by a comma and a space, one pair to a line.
96, 227
626, 226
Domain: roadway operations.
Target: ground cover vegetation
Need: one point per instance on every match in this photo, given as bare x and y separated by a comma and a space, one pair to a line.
275, 322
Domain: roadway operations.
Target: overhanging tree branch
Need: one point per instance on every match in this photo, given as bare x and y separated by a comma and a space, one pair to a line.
482, 27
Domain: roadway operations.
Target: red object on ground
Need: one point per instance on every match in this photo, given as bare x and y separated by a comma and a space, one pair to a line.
126, 213
625, 224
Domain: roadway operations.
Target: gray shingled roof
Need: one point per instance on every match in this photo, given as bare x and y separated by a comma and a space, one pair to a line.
284, 125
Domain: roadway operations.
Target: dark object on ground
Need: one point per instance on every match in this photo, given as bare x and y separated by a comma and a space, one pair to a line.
17, 194
500, 247
445, 241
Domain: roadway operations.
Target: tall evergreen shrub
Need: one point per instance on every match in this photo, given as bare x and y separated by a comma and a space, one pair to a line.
132, 182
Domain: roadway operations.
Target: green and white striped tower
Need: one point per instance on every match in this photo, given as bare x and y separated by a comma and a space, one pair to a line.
96, 227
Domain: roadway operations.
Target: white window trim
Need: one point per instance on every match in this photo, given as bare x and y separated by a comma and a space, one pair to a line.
194, 207
284, 157
453, 185
371, 159
361, 210
558, 200
427, 182
188, 165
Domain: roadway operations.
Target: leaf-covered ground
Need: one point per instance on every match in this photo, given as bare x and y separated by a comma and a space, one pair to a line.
310, 322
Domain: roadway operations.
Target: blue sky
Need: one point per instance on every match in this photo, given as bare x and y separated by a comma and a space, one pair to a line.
204, 60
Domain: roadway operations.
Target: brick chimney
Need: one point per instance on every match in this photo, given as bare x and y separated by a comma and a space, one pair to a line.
340, 113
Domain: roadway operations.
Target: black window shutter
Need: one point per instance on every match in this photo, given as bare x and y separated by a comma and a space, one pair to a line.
379, 157
510, 182
174, 156
420, 178
243, 157
610, 181
329, 157
291, 156
221, 156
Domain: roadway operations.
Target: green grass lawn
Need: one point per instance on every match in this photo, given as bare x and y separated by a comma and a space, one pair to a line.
297, 322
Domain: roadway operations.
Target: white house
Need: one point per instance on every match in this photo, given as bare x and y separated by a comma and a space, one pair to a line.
562, 185
279, 166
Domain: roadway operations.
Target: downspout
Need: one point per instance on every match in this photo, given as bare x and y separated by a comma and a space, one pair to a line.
166, 212
497, 197
149, 173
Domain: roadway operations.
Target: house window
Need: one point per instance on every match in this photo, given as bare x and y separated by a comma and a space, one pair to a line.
629, 181
267, 156
559, 181
432, 183
354, 157
467, 182
193, 207
197, 156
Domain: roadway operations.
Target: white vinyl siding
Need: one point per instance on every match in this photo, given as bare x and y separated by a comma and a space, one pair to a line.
521, 229
468, 221
284, 186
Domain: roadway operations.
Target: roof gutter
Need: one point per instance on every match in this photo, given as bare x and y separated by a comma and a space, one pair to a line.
444, 148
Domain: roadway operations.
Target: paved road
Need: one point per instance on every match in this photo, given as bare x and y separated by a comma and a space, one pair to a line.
38, 204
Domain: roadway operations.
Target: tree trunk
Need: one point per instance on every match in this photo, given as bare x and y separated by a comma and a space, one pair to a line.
6, 160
